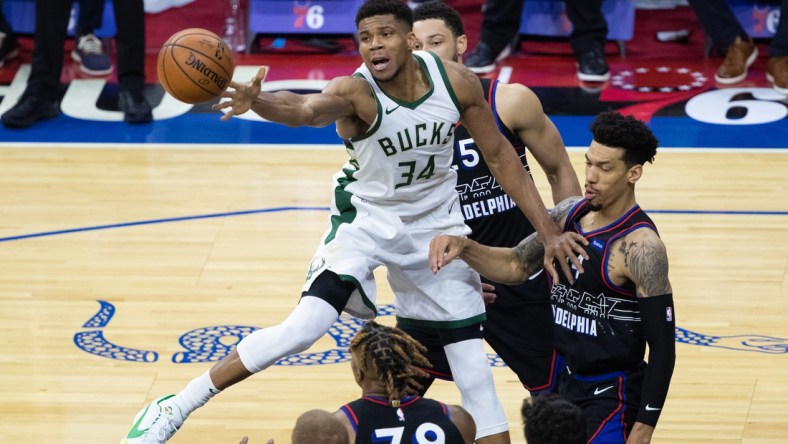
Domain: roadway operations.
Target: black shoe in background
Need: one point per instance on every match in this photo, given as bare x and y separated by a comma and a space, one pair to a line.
135, 107
29, 110
592, 67
481, 60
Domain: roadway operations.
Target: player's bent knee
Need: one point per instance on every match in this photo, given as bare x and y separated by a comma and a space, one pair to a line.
310, 320
329, 287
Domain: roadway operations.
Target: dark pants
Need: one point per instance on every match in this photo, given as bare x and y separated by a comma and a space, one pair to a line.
91, 13
722, 27
501, 23
50, 37
589, 27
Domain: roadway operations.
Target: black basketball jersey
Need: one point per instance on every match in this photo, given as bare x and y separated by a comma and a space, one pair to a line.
598, 326
416, 420
480, 193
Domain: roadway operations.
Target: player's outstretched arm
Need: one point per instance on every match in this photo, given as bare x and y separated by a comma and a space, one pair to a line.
287, 108
494, 263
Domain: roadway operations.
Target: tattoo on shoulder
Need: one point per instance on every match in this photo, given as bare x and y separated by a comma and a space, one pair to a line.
560, 211
647, 262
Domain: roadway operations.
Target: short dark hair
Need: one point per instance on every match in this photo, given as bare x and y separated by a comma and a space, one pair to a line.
319, 427
551, 419
437, 9
397, 8
628, 133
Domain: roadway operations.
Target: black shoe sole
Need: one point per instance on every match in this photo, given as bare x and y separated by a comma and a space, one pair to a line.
10, 122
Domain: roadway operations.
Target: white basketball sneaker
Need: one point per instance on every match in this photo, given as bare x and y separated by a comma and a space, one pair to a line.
155, 424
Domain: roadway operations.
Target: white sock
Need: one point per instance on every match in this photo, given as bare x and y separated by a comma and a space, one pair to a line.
195, 394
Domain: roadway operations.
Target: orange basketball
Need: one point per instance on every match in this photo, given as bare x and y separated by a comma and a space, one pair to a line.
195, 65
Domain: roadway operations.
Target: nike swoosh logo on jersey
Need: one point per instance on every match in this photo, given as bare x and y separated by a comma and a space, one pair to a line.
651, 409
598, 390
389, 111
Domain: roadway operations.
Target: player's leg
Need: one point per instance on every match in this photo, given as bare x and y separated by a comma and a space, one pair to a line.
450, 300
474, 379
519, 327
609, 402
342, 261
430, 339
309, 321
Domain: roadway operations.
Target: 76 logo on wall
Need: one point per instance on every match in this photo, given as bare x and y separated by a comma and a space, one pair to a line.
313, 16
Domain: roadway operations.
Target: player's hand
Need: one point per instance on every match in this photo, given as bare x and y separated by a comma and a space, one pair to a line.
640, 434
443, 249
488, 293
563, 249
241, 95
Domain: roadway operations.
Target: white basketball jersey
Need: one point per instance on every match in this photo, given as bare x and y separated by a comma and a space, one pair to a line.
404, 160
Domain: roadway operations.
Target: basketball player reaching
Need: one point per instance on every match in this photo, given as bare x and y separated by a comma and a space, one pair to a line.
396, 115
519, 322
623, 301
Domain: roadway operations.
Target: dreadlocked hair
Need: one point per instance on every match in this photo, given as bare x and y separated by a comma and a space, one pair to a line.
394, 356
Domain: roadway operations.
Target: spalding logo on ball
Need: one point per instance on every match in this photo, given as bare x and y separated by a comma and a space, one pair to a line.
195, 65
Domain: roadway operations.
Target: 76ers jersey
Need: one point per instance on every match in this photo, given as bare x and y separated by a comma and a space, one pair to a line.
403, 162
416, 420
480, 194
598, 327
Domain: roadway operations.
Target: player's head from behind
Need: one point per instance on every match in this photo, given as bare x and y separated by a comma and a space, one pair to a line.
387, 361
615, 158
385, 36
551, 419
438, 28
319, 427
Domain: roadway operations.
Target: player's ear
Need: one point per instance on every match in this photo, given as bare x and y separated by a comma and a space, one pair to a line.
634, 173
411, 41
462, 44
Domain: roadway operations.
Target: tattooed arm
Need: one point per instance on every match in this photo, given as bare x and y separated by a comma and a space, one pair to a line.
646, 265
504, 265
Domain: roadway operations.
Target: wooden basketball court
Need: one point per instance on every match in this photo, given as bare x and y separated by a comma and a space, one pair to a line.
178, 240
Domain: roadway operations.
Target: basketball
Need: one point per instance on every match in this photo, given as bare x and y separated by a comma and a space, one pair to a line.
195, 65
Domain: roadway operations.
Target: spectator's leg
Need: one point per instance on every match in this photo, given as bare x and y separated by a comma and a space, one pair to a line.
589, 27
91, 52
500, 28
718, 21
727, 35
49, 39
91, 13
500, 23
589, 33
40, 99
130, 42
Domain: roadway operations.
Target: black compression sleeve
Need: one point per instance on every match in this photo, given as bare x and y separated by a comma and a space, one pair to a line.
658, 318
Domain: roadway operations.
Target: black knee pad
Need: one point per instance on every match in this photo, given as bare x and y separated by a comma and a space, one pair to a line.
329, 287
